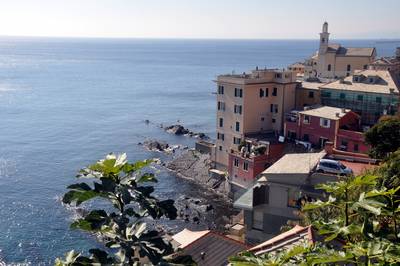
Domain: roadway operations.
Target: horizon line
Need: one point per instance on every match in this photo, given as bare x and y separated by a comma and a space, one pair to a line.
187, 38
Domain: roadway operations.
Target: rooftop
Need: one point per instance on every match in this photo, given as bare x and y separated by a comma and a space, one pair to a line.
296, 163
385, 82
258, 76
213, 249
328, 112
350, 51
186, 237
386, 61
311, 85
295, 236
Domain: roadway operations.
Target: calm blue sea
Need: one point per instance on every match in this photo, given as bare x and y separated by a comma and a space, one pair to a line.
65, 103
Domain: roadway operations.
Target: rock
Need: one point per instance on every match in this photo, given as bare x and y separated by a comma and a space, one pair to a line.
155, 145
209, 207
177, 130
147, 121
194, 165
181, 130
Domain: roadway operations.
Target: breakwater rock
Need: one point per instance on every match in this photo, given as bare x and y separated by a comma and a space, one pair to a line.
181, 130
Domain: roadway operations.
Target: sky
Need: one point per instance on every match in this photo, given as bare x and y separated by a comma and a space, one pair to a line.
233, 19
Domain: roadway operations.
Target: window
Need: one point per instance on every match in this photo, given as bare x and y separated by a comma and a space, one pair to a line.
325, 123
237, 127
221, 122
266, 92
275, 92
262, 118
261, 93
274, 108
273, 120
378, 99
348, 67
220, 148
310, 94
355, 79
342, 96
306, 137
237, 109
326, 94
371, 80
329, 67
238, 92
221, 136
220, 89
236, 162
236, 140
356, 149
246, 166
221, 106
365, 66
306, 119
360, 98
278, 75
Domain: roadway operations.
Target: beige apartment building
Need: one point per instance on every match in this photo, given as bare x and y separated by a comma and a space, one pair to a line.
333, 61
248, 104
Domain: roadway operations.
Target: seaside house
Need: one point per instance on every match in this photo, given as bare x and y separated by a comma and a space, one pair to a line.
249, 104
333, 61
369, 93
278, 193
256, 153
318, 125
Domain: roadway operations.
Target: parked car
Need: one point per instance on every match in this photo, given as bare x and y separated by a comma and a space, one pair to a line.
333, 167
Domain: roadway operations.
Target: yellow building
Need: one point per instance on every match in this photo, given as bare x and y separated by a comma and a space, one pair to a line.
334, 61
251, 103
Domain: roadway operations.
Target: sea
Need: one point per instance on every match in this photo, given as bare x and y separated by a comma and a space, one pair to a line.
67, 102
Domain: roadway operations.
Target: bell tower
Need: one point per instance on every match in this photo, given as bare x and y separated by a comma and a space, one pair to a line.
324, 39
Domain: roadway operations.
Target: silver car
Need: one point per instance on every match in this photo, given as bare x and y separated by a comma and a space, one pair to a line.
333, 167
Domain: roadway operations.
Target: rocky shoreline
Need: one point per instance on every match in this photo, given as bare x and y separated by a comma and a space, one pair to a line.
195, 166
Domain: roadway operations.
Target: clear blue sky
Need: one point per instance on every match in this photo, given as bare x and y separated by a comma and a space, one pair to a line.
259, 19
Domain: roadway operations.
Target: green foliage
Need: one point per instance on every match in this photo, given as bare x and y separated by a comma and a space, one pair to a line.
123, 230
384, 137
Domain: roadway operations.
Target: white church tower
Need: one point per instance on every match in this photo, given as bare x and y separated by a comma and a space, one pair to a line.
324, 39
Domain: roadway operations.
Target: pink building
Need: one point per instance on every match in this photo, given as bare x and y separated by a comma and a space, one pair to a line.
257, 153
322, 124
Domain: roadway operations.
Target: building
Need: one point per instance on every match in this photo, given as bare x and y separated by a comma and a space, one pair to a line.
276, 197
334, 61
308, 94
298, 68
369, 93
251, 103
387, 63
206, 247
256, 153
318, 125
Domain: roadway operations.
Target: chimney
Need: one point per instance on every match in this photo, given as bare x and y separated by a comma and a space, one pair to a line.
391, 90
337, 114
343, 110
